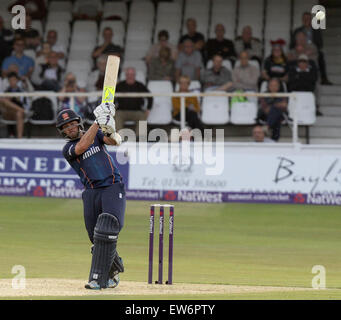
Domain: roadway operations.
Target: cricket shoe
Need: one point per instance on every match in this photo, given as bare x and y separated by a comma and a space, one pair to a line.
113, 283
93, 285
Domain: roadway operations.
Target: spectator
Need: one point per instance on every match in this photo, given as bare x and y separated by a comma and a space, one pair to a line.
87, 9
191, 104
70, 86
314, 36
196, 37
273, 110
259, 134
25, 63
6, 41
51, 39
246, 42
303, 47
276, 65
218, 77
162, 68
163, 37
189, 62
96, 77
303, 75
245, 76
131, 109
108, 47
14, 108
220, 45
24, 83
35, 8
30, 35
50, 73
43, 54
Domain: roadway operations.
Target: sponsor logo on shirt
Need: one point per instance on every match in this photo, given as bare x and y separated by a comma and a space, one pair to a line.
91, 152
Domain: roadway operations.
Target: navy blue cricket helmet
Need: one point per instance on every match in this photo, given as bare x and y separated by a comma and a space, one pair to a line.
65, 116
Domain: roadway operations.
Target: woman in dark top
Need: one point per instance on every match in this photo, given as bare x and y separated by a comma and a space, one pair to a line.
276, 65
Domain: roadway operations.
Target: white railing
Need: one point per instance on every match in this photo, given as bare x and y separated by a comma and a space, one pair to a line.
73, 95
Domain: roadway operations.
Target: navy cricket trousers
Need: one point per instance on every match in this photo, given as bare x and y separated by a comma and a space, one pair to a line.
111, 199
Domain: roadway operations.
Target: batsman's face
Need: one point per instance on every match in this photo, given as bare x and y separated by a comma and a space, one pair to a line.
71, 129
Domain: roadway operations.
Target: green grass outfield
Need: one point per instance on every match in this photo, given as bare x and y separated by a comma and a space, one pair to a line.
231, 244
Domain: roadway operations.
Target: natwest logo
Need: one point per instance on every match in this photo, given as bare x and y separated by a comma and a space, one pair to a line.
38, 192
299, 198
170, 196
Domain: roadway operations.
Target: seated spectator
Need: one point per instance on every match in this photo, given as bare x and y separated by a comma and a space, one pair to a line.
272, 110
314, 36
276, 65
51, 39
197, 38
218, 77
24, 83
220, 45
43, 54
189, 62
25, 63
6, 41
108, 47
246, 42
87, 10
259, 134
131, 109
14, 108
79, 103
96, 77
35, 8
154, 50
50, 74
191, 104
245, 77
303, 75
303, 47
31, 36
162, 67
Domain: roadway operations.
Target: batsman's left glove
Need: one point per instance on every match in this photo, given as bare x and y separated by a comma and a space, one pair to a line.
105, 109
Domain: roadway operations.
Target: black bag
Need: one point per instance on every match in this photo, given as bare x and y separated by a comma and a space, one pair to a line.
42, 109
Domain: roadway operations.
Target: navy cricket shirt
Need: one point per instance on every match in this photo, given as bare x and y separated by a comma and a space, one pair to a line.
95, 166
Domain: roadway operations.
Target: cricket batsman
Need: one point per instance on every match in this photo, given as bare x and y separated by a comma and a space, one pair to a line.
104, 195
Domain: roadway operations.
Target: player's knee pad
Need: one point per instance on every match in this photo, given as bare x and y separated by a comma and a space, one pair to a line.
107, 228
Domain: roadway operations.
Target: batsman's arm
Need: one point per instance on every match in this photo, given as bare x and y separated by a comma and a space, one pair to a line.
87, 139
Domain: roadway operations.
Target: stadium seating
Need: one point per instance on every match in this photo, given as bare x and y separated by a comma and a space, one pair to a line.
197, 9
304, 102
224, 12
168, 17
60, 6
251, 14
244, 113
54, 106
161, 112
215, 110
277, 23
116, 9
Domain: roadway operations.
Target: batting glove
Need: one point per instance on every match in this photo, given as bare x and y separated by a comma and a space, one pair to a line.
107, 124
105, 109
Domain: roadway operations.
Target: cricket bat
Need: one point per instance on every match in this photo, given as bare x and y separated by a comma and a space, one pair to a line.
110, 79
